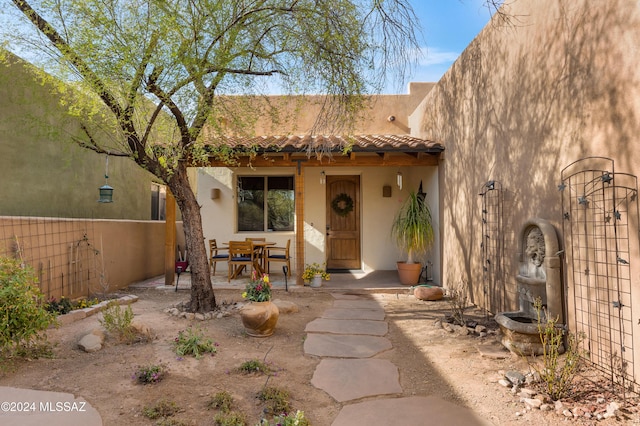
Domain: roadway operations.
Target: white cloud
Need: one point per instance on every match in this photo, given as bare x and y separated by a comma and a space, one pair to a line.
434, 56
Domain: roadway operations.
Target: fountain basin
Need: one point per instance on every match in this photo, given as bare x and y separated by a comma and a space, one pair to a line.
520, 333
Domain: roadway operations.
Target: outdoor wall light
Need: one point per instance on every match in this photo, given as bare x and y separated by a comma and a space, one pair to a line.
399, 179
215, 193
323, 178
106, 192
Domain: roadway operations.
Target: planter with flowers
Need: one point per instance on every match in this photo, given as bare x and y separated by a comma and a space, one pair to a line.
261, 315
314, 274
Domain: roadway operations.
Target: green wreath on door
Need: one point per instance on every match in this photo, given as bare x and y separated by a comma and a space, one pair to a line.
342, 204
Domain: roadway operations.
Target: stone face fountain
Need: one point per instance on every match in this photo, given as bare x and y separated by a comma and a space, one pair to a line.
539, 276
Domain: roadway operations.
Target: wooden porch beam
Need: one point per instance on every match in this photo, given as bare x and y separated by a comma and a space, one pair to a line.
361, 160
170, 240
299, 209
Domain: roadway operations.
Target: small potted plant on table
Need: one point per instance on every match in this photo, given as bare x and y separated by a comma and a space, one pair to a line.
314, 274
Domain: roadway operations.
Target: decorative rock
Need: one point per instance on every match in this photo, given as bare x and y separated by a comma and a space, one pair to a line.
527, 393
428, 293
505, 383
480, 329
141, 329
558, 406
567, 413
286, 307
200, 317
516, 378
531, 403
92, 342
190, 316
546, 407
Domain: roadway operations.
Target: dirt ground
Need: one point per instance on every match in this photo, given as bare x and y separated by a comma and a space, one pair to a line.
431, 361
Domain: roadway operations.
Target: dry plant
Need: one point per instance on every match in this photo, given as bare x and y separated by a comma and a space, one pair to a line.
458, 299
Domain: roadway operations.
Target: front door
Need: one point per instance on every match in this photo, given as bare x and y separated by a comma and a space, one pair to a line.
343, 222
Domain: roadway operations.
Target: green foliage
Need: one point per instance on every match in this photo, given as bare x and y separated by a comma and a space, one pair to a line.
557, 372
254, 366
147, 374
276, 400
161, 409
230, 419
118, 321
297, 419
311, 270
192, 342
64, 305
23, 316
223, 401
412, 227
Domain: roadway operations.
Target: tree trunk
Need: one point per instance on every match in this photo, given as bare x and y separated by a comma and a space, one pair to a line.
202, 296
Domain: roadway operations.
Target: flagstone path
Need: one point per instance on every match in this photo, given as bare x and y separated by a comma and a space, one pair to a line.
347, 337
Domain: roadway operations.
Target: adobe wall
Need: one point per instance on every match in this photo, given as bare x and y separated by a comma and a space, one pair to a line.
520, 104
45, 173
80, 258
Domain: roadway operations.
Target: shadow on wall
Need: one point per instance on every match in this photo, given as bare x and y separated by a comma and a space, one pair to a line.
520, 104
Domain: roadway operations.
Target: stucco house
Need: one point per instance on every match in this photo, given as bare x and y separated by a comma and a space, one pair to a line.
383, 165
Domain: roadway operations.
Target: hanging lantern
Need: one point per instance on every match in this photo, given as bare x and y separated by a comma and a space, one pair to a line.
106, 192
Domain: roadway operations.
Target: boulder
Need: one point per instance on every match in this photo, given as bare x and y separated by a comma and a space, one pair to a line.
428, 292
92, 342
286, 307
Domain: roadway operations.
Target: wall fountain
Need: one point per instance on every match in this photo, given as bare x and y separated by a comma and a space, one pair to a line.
539, 276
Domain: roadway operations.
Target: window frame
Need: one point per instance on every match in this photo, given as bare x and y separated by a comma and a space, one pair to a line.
265, 213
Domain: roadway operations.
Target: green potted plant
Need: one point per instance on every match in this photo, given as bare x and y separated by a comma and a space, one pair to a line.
314, 274
413, 231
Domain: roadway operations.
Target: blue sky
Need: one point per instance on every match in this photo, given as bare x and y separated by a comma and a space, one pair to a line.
448, 26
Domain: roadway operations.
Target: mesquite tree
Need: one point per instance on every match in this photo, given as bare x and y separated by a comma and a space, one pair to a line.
149, 77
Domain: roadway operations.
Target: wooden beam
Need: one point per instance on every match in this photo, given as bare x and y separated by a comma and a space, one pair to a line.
299, 244
170, 240
362, 160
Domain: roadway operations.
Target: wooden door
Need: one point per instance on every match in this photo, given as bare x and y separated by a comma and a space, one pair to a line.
343, 222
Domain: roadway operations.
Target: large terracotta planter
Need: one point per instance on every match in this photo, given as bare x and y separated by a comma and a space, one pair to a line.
409, 273
260, 318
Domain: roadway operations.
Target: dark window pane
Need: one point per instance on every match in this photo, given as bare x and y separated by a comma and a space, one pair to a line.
280, 203
251, 203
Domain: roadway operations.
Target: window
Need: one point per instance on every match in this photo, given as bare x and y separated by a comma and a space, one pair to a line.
158, 201
274, 212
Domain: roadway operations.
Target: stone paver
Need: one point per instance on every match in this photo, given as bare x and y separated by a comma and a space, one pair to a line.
417, 410
358, 304
364, 314
35, 408
349, 379
339, 326
345, 346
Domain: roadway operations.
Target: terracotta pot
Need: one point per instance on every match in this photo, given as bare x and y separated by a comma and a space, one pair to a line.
260, 318
409, 273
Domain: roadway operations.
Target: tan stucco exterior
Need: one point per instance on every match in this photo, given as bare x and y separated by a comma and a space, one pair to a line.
379, 251
519, 105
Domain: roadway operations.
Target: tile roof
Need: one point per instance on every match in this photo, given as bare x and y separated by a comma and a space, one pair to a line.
360, 143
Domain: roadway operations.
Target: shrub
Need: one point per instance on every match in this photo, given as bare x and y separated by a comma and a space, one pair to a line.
150, 373
297, 419
277, 400
193, 342
161, 409
557, 373
117, 321
23, 316
230, 419
254, 366
223, 401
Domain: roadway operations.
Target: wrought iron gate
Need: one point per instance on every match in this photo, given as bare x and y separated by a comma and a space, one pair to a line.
600, 228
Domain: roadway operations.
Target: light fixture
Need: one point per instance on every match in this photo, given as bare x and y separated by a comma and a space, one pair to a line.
323, 177
399, 178
106, 192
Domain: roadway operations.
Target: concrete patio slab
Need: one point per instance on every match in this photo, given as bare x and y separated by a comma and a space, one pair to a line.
358, 304
347, 296
429, 410
27, 407
345, 346
354, 314
349, 379
350, 326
